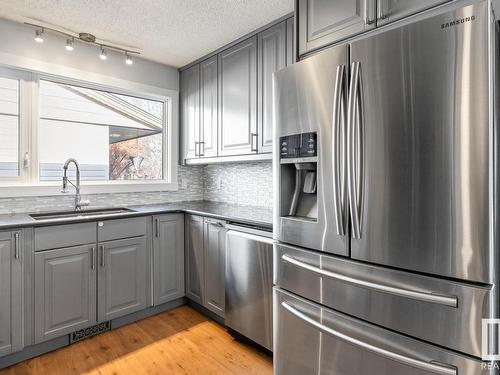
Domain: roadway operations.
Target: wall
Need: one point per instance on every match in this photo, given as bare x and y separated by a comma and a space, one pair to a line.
246, 183
189, 177
18, 49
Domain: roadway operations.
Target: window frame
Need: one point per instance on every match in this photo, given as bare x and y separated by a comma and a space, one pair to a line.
28, 183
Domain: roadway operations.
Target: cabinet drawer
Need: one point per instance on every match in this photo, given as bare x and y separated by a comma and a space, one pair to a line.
444, 312
57, 236
122, 228
311, 339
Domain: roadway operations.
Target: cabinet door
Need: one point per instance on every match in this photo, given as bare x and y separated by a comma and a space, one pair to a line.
168, 253
194, 258
65, 291
291, 54
208, 107
323, 22
215, 252
11, 293
392, 10
272, 57
238, 99
190, 111
122, 278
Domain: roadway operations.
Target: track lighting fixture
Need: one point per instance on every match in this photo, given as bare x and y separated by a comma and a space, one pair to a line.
88, 38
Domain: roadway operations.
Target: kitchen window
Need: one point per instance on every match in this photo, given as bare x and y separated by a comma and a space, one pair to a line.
121, 139
113, 137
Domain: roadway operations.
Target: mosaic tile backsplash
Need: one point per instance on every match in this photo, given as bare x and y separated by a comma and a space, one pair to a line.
245, 184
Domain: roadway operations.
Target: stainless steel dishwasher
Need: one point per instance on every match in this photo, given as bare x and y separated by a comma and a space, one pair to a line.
249, 283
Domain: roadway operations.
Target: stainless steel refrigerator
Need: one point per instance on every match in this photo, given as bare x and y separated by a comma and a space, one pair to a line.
386, 216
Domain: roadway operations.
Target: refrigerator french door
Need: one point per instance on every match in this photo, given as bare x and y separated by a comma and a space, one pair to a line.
403, 235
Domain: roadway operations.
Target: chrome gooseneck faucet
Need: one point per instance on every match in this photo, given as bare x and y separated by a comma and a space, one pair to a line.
78, 199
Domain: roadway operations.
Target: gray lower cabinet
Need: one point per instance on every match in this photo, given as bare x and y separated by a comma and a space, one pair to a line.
122, 278
322, 22
238, 99
168, 258
215, 252
11, 292
272, 57
194, 258
65, 291
205, 262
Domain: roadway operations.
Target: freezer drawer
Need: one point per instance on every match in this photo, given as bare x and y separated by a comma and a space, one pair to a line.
310, 339
444, 312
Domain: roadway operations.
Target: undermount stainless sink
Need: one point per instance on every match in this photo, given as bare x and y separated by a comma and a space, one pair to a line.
79, 214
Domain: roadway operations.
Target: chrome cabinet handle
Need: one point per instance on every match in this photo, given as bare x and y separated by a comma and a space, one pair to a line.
16, 245
368, 20
429, 297
413, 362
102, 255
354, 148
157, 228
92, 249
338, 133
201, 153
196, 148
380, 11
254, 137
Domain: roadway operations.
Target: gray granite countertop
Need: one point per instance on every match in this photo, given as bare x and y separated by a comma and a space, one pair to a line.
249, 215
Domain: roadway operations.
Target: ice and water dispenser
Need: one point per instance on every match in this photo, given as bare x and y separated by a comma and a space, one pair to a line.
298, 173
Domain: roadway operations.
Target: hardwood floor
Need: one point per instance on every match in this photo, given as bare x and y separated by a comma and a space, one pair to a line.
181, 341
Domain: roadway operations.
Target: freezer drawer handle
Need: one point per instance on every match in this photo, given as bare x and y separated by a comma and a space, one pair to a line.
413, 362
430, 297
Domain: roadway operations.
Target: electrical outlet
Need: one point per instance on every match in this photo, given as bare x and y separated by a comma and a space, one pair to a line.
219, 183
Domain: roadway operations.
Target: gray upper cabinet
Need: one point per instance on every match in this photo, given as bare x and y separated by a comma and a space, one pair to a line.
11, 292
190, 111
122, 277
392, 10
194, 258
208, 108
322, 22
291, 52
168, 257
215, 252
238, 99
65, 291
272, 56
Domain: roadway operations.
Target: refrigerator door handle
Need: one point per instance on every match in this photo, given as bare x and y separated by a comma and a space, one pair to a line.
430, 366
338, 132
423, 296
354, 148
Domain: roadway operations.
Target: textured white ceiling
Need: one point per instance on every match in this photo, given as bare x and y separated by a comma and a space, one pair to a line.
172, 32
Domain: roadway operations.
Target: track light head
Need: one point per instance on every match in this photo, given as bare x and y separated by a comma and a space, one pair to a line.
128, 59
70, 44
103, 55
39, 36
